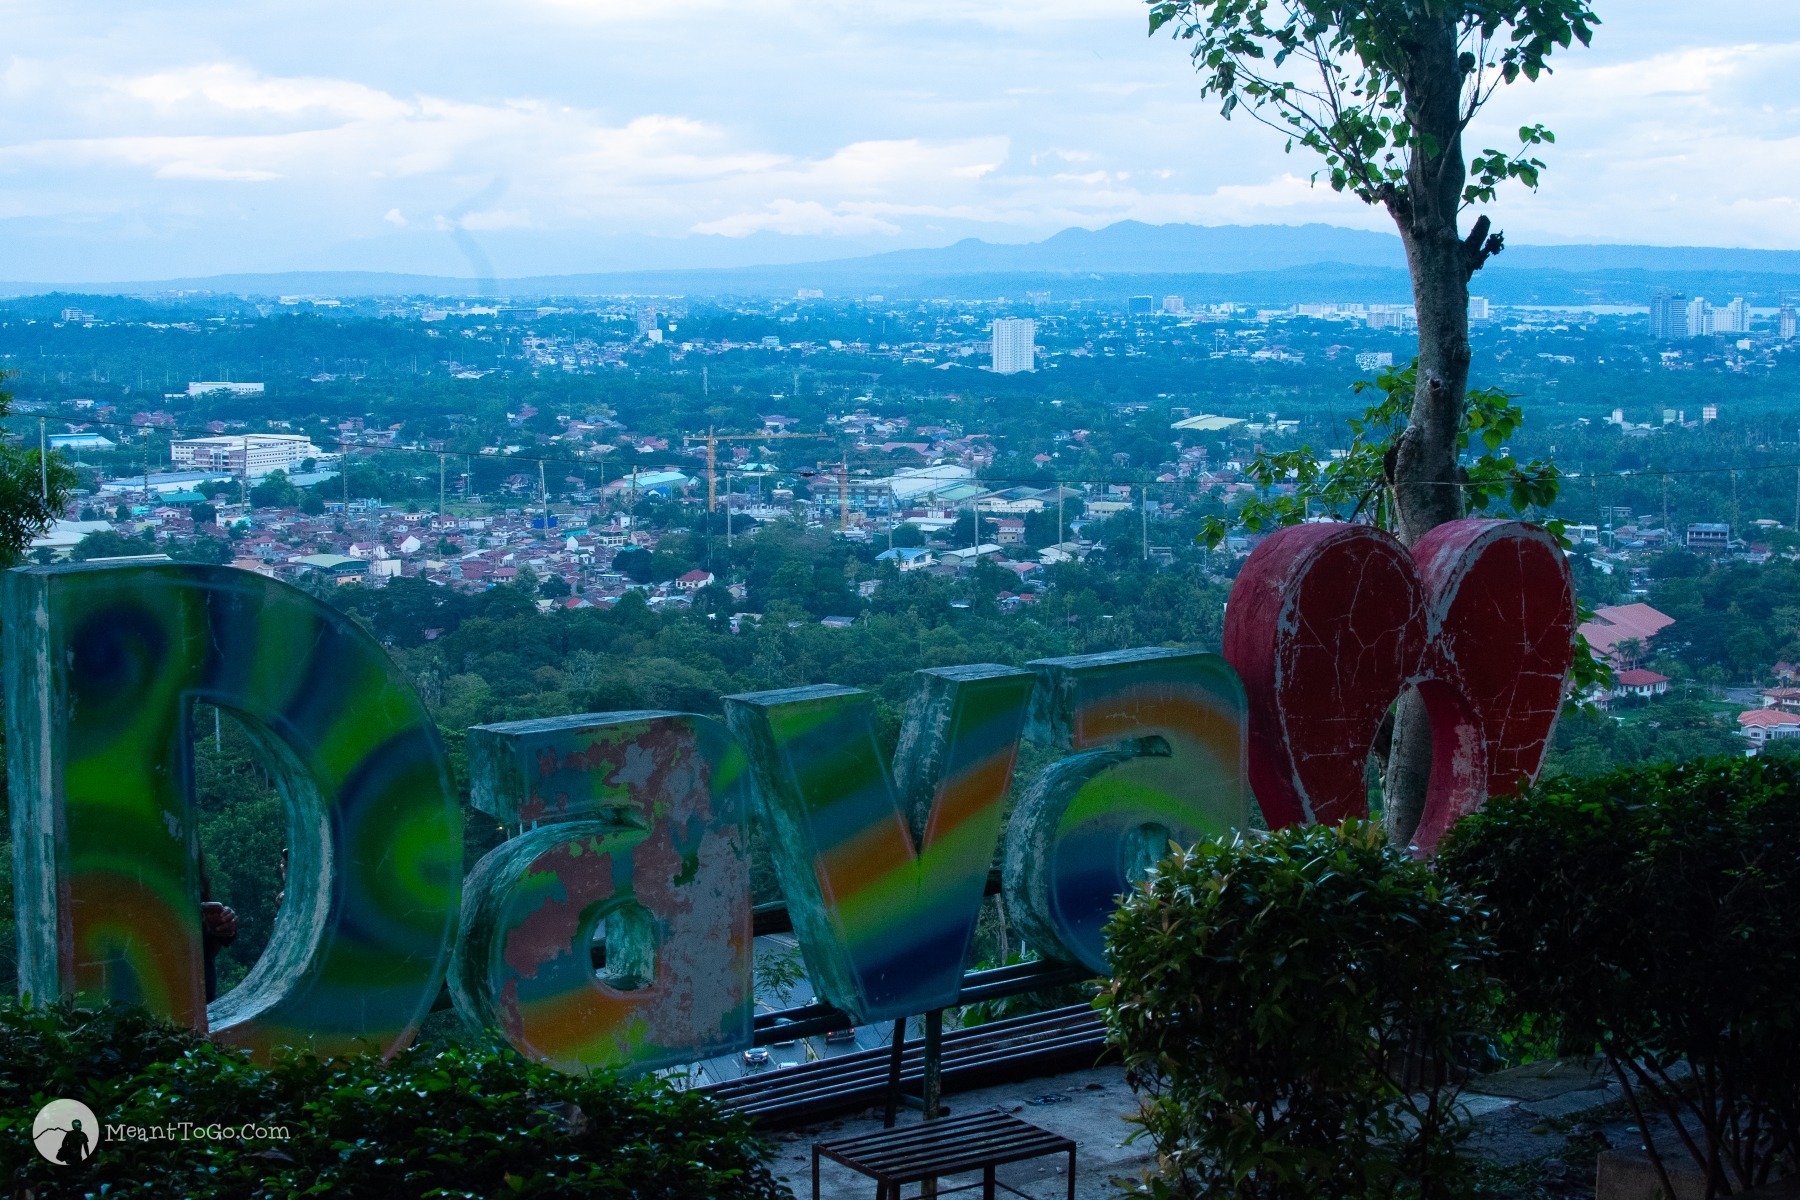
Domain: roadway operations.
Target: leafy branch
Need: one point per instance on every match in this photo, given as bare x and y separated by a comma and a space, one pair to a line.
1357, 485
1359, 99
1295, 486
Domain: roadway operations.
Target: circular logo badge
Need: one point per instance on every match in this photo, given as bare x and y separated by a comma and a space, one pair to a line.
65, 1132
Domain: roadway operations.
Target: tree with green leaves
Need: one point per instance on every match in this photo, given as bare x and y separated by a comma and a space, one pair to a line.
34, 491
1385, 91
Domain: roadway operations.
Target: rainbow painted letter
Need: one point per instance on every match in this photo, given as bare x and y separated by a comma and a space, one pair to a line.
1159, 736
884, 877
104, 664
635, 824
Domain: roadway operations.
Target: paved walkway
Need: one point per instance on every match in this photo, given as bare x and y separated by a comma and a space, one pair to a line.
1089, 1106
1539, 1127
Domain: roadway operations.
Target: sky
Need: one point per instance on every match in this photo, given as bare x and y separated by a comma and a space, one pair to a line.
164, 138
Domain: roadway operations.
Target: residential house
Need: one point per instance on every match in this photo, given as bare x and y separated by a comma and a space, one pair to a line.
1629, 625
1763, 725
1639, 682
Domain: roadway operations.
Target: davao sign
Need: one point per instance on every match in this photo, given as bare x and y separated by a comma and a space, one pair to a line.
638, 823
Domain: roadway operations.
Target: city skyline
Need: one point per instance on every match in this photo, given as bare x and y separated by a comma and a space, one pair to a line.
174, 139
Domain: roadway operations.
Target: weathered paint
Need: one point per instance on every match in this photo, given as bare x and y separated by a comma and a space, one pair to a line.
633, 822
1501, 607
884, 876
1328, 623
1157, 755
104, 664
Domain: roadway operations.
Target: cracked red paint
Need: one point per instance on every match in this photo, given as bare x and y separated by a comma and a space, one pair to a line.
1328, 623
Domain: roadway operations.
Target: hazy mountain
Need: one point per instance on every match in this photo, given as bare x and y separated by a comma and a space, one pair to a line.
1247, 264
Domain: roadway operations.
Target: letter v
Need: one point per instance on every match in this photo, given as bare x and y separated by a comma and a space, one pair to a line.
884, 875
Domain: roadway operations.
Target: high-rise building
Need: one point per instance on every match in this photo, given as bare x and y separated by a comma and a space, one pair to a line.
1733, 318
1699, 317
1668, 315
1790, 323
1478, 308
1174, 304
1140, 306
1015, 345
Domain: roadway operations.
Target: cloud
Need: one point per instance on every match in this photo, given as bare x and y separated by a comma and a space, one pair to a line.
796, 217
167, 129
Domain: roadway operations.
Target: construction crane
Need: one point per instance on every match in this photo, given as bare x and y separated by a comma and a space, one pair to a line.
712, 441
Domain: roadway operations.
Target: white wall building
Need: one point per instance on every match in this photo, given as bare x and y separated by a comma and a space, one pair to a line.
247, 455
1699, 317
217, 385
1015, 345
1733, 318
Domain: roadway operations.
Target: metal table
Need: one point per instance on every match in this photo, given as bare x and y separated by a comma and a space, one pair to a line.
952, 1146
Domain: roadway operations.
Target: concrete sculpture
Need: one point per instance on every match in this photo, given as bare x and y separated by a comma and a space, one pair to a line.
630, 824
1328, 623
884, 875
1156, 745
104, 663
635, 826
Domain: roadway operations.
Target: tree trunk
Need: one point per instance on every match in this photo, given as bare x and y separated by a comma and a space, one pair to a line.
1424, 472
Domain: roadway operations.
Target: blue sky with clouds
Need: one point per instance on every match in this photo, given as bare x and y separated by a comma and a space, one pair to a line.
161, 138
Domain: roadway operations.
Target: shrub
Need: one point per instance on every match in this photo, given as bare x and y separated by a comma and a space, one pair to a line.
430, 1123
1291, 1007
1654, 914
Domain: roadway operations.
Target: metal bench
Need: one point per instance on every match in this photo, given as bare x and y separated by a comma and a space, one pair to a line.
951, 1146
1063, 1039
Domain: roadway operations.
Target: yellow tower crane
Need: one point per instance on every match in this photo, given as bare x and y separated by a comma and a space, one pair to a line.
712, 441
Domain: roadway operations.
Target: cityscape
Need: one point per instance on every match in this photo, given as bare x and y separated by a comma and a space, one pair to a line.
1120, 600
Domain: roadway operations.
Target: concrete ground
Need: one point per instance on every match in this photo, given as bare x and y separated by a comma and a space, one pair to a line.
1088, 1106
1539, 1130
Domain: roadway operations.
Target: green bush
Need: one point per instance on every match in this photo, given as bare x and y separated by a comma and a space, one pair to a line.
1292, 1006
446, 1123
1654, 915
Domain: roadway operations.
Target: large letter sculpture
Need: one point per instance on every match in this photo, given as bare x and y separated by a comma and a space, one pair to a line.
104, 663
1328, 623
1158, 756
635, 824
884, 876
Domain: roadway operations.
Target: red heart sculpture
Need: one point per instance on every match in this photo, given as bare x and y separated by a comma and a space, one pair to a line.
1328, 623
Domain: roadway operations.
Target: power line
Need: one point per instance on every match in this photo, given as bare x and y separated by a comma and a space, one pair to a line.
344, 447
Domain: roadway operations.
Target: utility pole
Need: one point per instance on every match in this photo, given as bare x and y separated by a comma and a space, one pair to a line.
1144, 511
712, 462
1059, 520
440, 488
43, 463
728, 514
705, 383
843, 494
1735, 527
1667, 532
544, 495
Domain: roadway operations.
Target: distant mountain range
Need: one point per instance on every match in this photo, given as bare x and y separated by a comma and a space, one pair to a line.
1275, 264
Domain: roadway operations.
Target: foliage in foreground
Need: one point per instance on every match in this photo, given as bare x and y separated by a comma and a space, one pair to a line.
1654, 915
1290, 1006
451, 1123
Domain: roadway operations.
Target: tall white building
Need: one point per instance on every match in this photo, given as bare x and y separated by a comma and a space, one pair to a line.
1478, 308
1790, 323
1700, 317
249, 455
1668, 315
1733, 318
1015, 345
